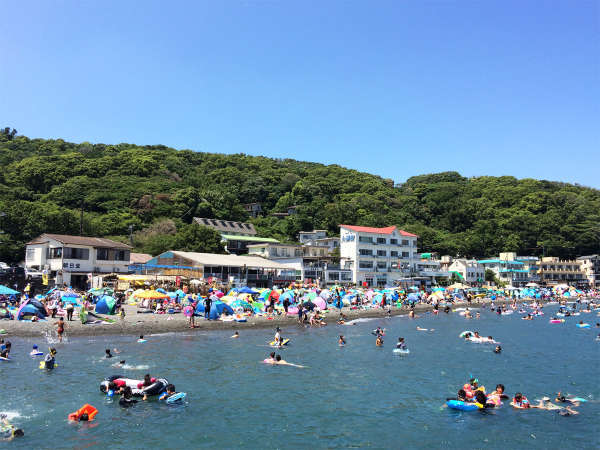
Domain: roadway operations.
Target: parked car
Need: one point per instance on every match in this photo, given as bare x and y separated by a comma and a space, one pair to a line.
33, 273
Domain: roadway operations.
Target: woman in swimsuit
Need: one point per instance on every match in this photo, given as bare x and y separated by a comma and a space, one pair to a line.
61, 328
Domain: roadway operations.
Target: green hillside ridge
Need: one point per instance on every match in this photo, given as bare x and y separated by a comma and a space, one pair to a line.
158, 190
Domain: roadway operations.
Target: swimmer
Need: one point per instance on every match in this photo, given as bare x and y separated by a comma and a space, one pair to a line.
169, 390
568, 411
282, 362
401, 344
127, 399
411, 314
7, 431
378, 332
119, 364
495, 397
477, 315
49, 359
341, 341
528, 317
520, 401
141, 339
108, 354
482, 401
562, 399
271, 358
379, 341
546, 404
498, 349
35, 351
236, 335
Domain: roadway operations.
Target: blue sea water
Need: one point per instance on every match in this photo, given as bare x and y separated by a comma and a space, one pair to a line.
359, 395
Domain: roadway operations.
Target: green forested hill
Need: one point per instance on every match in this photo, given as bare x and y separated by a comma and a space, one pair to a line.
158, 190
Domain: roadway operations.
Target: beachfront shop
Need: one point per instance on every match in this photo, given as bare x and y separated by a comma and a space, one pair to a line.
231, 270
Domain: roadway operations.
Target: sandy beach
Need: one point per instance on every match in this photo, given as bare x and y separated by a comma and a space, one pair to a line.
136, 324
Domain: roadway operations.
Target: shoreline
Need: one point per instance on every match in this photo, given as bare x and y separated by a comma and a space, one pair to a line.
148, 324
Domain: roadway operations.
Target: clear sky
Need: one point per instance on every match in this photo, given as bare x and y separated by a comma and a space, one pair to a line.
396, 88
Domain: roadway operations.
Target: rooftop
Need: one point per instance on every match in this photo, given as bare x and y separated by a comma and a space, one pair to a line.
79, 240
385, 230
213, 259
501, 261
226, 225
139, 258
234, 237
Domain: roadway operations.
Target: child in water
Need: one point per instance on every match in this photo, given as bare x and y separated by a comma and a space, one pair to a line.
379, 341
141, 339
236, 335
49, 359
108, 354
60, 328
401, 344
341, 340
169, 390
127, 399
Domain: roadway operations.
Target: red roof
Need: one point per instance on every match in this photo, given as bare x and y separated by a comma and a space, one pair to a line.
386, 230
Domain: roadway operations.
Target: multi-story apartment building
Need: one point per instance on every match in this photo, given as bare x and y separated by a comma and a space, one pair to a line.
379, 256
507, 269
591, 268
554, 270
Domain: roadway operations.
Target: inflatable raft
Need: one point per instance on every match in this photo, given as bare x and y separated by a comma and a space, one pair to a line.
137, 386
462, 406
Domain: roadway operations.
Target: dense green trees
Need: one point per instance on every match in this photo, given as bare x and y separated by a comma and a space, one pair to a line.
46, 183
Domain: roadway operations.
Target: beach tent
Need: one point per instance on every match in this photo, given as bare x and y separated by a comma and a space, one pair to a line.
217, 308
239, 303
105, 305
247, 290
7, 291
321, 304
31, 308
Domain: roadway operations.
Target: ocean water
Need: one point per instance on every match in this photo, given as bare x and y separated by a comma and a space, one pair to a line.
359, 395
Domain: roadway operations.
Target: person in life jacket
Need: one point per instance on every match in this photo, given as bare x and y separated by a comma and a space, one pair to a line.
520, 401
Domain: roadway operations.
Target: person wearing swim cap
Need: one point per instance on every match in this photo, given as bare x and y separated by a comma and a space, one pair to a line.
35, 350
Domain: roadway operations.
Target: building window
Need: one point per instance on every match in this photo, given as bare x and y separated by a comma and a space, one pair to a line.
381, 240
394, 253
405, 242
54, 253
102, 254
381, 265
365, 239
76, 253
333, 276
394, 241
405, 254
121, 255
381, 253
365, 265
365, 252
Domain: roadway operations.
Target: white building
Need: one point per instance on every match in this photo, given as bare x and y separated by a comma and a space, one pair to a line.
468, 269
591, 268
309, 237
312, 263
379, 256
74, 259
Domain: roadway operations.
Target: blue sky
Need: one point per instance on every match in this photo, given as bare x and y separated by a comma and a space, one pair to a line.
396, 88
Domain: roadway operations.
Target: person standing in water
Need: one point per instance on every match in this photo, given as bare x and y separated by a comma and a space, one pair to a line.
60, 328
50, 359
341, 341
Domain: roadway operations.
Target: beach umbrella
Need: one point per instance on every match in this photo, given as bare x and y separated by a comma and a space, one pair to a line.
287, 294
239, 303
4, 290
219, 294
325, 294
